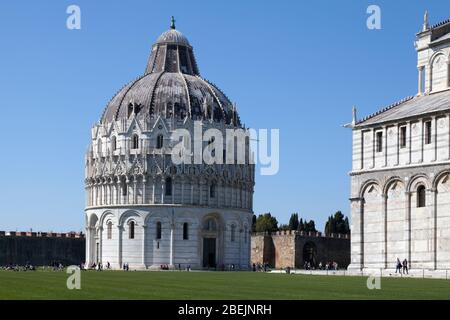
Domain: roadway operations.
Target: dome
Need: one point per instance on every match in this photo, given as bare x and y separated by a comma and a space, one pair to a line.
171, 87
173, 36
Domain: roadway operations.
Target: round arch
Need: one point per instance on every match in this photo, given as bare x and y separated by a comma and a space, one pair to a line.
442, 174
420, 178
366, 185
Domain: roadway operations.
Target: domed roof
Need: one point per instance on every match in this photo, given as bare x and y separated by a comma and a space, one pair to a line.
173, 36
171, 87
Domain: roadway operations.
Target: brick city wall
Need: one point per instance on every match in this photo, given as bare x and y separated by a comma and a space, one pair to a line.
41, 248
286, 248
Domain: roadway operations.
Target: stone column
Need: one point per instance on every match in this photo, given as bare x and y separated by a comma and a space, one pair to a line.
409, 129
172, 227
153, 189
88, 246
420, 77
384, 198
357, 237
100, 242
385, 147
119, 248
434, 138
173, 190
163, 188
144, 251
127, 197
135, 190
144, 182
434, 194
422, 138
408, 226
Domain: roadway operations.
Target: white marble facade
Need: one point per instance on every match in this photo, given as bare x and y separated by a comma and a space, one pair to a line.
400, 179
141, 208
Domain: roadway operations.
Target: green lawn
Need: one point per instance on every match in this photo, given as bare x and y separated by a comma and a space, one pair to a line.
212, 285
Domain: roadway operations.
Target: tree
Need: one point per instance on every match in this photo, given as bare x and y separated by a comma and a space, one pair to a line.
266, 223
337, 224
301, 225
293, 222
310, 226
284, 227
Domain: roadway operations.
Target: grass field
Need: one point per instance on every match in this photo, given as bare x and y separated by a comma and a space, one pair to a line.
212, 285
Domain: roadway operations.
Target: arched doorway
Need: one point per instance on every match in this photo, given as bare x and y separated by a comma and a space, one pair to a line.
309, 254
209, 243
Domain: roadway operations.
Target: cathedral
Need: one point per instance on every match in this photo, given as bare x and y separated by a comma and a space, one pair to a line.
143, 209
400, 178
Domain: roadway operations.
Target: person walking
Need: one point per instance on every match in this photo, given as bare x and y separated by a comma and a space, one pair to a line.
405, 266
399, 266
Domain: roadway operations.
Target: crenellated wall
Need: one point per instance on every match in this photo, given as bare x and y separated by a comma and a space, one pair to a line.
287, 249
41, 249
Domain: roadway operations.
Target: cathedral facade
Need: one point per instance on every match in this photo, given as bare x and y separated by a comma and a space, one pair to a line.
400, 178
147, 211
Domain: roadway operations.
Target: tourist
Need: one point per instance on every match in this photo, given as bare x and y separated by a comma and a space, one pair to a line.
399, 266
405, 266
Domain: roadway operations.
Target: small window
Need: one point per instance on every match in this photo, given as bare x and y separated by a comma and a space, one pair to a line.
402, 137
185, 231
109, 230
168, 187
233, 232
113, 143
159, 141
421, 197
212, 190
131, 231
99, 145
158, 230
379, 141
124, 189
428, 132
135, 142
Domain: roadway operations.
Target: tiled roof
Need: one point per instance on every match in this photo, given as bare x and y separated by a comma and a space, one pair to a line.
409, 107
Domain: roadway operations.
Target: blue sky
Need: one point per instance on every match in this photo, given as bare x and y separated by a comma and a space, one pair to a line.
294, 65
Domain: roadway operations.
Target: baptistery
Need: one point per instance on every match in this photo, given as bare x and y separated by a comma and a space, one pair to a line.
143, 209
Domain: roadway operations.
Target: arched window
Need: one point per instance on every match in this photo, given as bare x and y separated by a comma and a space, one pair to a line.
168, 189
421, 197
185, 231
99, 145
113, 143
109, 230
131, 231
210, 225
135, 142
158, 230
233, 232
124, 188
159, 141
212, 190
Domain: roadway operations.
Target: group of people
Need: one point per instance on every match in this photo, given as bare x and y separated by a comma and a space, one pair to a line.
16, 267
260, 267
330, 265
401, 266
